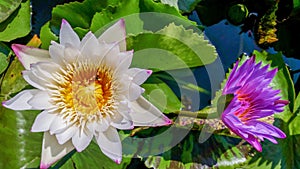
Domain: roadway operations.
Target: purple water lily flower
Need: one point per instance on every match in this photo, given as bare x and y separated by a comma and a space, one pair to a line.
253, 99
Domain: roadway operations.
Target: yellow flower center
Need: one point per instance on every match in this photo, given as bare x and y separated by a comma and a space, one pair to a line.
83, 93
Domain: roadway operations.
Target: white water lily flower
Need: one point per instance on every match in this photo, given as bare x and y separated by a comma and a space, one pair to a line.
86, 90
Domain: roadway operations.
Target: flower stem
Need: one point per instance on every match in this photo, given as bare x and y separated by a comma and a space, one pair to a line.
206, 113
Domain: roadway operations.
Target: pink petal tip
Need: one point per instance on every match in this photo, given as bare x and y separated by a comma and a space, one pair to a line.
17, 48
64, 21
42, 166
118, 161
149, 72
122, 22
3, 103
168, 121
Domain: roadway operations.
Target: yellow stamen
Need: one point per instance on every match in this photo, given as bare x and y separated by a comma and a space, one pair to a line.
83, 92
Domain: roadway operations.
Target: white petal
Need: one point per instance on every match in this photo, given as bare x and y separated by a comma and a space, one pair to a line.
112, 58
42, 122
125, 124
145, 114
40, 74
115, 33
71, 54
40, 100
82, 139
66, 135
58, 125
89, 46
135, 91
33, 80
28, 55
116, 118
46, 69
124, 110
67, 35
110, 144
126, 59
139, 75
53, 151
102, 125
56, 52
20, 101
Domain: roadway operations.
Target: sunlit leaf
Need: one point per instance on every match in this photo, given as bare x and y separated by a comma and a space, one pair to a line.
92, 157
158, 15
127, 9
78, 14
160, 94
7, 7
173, 47
16, 26
296, 3
47, 36
20, 148
217, 151
13, 81
3, 62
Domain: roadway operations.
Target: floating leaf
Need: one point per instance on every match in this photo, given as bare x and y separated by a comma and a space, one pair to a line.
128, 10
297, 104
13, 81
295, 119
217, 151
173, 47
18, 26
160, 95
7, 7
78, 14
47, 36
20, 148
81, 32
157, 15
296, 3
3, 62
92, 157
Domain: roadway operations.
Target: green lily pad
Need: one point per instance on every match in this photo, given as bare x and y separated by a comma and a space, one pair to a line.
161, 96
173, 47
217, 151
78, 14
10, 28
92, 157
127, 10
47, 36
3, 62
19, 148
7, 7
